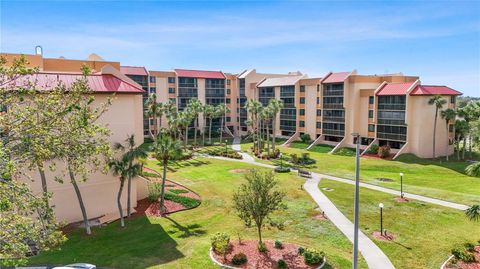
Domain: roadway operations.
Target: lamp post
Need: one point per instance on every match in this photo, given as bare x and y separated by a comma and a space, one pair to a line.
356, 203
381, 218
401, 185
226, 150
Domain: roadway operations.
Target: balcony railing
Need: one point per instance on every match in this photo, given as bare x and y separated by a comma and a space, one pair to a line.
333, 119
333, 106
332, 93
288, 117
333, 132
288, 127
390, 136
391, 106
391, 122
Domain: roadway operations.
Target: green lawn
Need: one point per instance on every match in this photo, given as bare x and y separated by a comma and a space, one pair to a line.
425, 233
183, 239
439, 179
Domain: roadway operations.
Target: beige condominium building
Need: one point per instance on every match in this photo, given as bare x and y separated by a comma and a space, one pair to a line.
390, 109
123, 118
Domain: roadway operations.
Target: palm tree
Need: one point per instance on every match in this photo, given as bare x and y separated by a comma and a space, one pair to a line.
221, 111
253, 108
275, 107
165, 148
123, 169
170, 109
448, 115
461, 130
132, 153
154, 110
195, 107
209, 112
473, 213
438, 101
184, 119
473, 169
267, 117
470, 113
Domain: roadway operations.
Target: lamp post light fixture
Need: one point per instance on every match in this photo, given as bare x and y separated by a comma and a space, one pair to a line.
381, 218
226, 150
401, 185
356, 203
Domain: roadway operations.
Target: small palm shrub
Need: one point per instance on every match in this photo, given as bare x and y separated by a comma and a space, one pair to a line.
154, 191
282, 169
373, 149
281, 264
305, 138
239, 258
301, 250
262, 247
313, 256
278, 244
220, 242
463, 255
384, 151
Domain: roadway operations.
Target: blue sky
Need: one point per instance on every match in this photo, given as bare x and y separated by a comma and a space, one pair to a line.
438, 41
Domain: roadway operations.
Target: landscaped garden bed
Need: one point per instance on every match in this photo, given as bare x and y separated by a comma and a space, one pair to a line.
467, 257
285, 255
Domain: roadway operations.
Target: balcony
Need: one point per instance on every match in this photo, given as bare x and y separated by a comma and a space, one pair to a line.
391, 122
333, 106
332, 93
333, 132
334, 119
391, 106
390, 136
288, 117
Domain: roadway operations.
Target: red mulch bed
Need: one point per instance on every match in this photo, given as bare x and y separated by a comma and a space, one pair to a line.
388, 237
463, 265
255, 259
375, 156
401, 200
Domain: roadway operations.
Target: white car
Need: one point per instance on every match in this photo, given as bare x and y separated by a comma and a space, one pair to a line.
77, 266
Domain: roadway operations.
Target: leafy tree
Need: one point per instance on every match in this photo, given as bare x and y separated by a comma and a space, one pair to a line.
470, 113
132, 153
123, 168
473, 169
473, 213
438, 101
448, 115
154, 110
257, 199
166, 148
275, 106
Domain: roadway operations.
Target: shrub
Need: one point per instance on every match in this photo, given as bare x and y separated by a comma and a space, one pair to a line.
301, 250
469, 246
463, 255
373, 149
178, 191
220, 242
313, 256
154, 191
384, 151
281, 264
282, 169
346, 152
239, 258
187, 202
294, 158
278, 244
262, 247
305, 138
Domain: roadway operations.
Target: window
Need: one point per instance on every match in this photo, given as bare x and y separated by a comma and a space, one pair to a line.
371, 127
302, 88
153, 90
171, 90
371, 100
450, 128
319, 112
152, 122
228, 82
228, 91
302, 123
227, 100
318, 87
302, 112
153, 79
229, 119
370, 114
318, 100
171, 79
319, 125
302, 100
452, 99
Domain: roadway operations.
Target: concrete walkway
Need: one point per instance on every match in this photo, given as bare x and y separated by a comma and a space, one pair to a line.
372, 254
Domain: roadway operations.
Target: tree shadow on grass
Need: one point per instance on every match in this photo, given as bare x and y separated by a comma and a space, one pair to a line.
188, 230
140, 244
453, 164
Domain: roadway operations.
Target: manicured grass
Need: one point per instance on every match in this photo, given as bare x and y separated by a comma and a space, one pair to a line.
183, 239
439, 179
187, 202
425, 233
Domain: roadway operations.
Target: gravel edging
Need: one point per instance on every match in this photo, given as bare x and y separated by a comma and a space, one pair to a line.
210, 253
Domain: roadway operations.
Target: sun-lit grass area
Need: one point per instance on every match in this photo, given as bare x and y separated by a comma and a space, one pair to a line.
183, 239
433, 178
424, 233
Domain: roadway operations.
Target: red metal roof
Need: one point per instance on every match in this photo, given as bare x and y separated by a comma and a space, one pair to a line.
394, 88
199, 74
134, 70
99, 83
335, 77
432, 90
